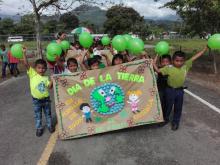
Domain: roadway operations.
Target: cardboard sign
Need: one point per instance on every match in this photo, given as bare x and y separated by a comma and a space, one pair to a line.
108, 99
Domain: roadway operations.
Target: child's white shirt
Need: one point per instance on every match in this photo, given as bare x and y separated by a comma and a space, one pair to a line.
66, 71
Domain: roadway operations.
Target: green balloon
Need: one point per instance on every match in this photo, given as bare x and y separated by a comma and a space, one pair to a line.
214, 41
136, 46
162, 48
17, 51
127, 38
85, 39
119, 43
105, 40
65, 45
54, 49
50, 58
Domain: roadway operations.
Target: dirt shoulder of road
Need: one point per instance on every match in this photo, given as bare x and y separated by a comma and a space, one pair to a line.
209, 81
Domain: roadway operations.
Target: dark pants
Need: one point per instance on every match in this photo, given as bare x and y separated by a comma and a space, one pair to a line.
162, 99
88, 120
39, 105
14, 69
4, 66
174, 99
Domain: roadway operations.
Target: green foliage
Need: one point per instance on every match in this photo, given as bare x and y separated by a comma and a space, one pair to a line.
26, 25
92, 15
121, 20
69, 20
199, 16
6, 26
50, 26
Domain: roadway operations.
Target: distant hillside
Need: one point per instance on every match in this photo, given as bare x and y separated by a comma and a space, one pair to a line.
170, 17
16, 18
96, 16
93, 14
166, 24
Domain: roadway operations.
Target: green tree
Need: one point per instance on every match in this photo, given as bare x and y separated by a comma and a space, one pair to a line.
141, 28
50, 26
26, 25
6, 26
70, 20
121, 20
199, 16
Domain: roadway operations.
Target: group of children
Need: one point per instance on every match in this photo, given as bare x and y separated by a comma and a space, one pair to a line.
171, 71
8, 61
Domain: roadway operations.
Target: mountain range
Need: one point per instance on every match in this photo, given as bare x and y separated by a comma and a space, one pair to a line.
96, 16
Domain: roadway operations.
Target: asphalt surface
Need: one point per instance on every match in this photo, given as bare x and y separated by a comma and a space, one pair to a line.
197, 142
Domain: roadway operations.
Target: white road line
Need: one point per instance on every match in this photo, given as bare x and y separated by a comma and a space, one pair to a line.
203, 101
11, 80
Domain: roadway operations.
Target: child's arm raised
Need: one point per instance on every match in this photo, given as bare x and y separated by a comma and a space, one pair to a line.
83, 64
196, 56
26, 64
50, 86
107, 59
155, 65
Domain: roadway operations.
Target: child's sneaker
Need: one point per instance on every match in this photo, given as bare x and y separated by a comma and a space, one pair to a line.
51, 129
39, 132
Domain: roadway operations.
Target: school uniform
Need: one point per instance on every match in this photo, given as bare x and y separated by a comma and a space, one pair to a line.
174, 92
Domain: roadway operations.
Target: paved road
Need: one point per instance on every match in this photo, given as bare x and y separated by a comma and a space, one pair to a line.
197, 142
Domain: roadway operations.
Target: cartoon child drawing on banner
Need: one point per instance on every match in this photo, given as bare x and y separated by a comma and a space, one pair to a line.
133, 97
85, 108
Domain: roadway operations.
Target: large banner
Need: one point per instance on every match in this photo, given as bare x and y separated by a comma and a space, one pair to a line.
108, 99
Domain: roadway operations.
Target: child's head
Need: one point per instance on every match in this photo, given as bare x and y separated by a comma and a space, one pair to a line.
61, 35
76, 45
99, 45
40, 66
165, 60
61, 60
144, 55
117, 59
93, 63
98, 57
178, 59
2, 47
72, 65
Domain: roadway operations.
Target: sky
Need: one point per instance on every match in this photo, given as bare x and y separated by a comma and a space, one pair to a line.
146, 8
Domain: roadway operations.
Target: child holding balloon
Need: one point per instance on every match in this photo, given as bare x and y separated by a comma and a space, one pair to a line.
13, 62
176, 78
39, 85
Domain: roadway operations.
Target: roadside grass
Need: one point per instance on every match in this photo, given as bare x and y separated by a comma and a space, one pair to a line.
31, 45
189, 46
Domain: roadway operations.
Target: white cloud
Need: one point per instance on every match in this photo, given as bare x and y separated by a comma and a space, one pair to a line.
149, 8
12, 7
146, 8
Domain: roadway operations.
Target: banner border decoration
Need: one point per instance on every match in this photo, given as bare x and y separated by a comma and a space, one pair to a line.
155, 97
